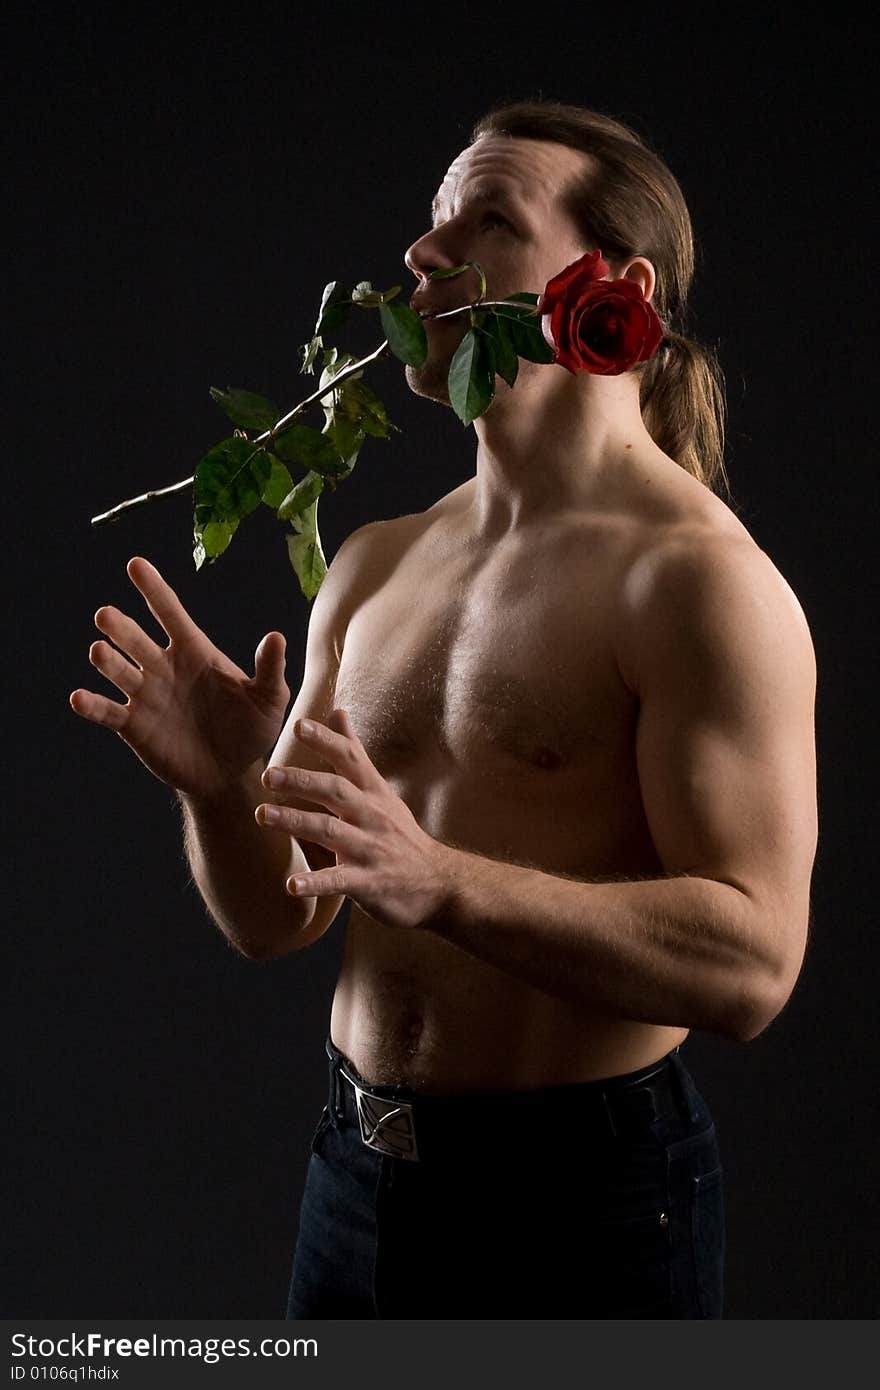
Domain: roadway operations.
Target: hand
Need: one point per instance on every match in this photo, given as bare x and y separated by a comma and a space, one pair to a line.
193, 717
385, 862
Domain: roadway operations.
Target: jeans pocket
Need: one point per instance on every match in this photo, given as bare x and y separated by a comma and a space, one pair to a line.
696, 1213
320, 1130
708, 1241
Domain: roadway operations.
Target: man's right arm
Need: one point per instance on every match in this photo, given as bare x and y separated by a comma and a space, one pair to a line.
239, 867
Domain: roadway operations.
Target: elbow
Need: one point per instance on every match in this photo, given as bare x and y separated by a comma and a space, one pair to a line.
756, 1009
292, 936
764, 988
274, 947
750, 1025
257, 951
261, 950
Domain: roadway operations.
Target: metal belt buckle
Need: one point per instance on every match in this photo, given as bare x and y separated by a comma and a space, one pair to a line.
386, 1125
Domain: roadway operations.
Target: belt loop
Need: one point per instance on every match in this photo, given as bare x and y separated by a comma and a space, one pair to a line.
679, 1085
335, 1099
608, 1115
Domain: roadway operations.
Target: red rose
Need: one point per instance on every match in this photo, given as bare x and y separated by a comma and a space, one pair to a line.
595, 325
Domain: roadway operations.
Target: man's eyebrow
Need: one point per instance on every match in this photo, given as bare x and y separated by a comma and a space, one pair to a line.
482, 195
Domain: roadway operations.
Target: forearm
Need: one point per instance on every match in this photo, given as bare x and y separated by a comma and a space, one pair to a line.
240, 869
678, 952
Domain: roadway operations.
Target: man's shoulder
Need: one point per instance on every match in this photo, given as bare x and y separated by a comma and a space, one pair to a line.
697, 556
368, 556
381, 541
678, 530
704, 579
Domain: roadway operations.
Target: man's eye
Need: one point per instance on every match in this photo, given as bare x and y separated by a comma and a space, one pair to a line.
498, 219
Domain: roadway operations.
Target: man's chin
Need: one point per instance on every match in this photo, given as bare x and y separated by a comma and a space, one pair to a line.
430, 380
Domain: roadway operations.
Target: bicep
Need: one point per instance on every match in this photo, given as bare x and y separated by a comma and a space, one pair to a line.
725, 738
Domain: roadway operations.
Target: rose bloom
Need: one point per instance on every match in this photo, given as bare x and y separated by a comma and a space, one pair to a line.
597, 325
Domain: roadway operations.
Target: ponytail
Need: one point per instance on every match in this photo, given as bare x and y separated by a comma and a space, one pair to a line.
682, 400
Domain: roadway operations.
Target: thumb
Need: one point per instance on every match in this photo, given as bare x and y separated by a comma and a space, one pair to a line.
269, 660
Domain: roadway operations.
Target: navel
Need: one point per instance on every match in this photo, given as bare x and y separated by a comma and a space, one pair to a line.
545, 757
411, 1028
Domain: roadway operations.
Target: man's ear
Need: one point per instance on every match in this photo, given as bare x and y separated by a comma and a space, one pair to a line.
642, 272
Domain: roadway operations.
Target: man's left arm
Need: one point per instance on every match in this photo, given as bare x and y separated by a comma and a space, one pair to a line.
719, 653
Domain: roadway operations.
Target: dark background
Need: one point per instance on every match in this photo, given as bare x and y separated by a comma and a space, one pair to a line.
180, 186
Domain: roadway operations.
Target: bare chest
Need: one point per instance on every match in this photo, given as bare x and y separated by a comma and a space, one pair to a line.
506, 670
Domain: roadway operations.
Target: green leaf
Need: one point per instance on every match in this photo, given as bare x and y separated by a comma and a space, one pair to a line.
277, 485
524, 327
305, 552
459, 270
216, 537
212, 541
503, 351
309, 352
245, 409
334, 363
229, 481
309, 447
346, 438
471, 377
405, 333
365, 297
227, 486
351, 411
335, 309
300, 497
361, 405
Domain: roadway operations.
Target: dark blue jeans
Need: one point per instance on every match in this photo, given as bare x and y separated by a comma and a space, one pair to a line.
601, 1199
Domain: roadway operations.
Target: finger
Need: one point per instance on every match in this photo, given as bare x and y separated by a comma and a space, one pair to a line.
99, 710
340, 721
128, 636
116, 668
270, 660
161, 599
323, 883
315, 826
324, 788
344, 751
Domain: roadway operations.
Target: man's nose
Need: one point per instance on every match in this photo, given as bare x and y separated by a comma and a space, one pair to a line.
429, 253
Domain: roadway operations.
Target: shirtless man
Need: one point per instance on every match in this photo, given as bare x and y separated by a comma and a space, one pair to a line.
562, 764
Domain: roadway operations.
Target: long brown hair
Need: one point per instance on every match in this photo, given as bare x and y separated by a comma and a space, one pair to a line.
633, 206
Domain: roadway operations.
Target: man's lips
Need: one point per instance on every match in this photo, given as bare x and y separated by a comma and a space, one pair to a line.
428, 311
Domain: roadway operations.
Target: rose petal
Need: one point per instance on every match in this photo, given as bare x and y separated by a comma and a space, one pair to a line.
573, 279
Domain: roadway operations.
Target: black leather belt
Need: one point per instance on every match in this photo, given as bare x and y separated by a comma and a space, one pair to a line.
402, 1124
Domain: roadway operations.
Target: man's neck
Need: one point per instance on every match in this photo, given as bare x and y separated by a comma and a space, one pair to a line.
545, 448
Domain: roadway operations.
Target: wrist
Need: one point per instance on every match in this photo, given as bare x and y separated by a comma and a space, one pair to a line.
450, 867
246, 789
